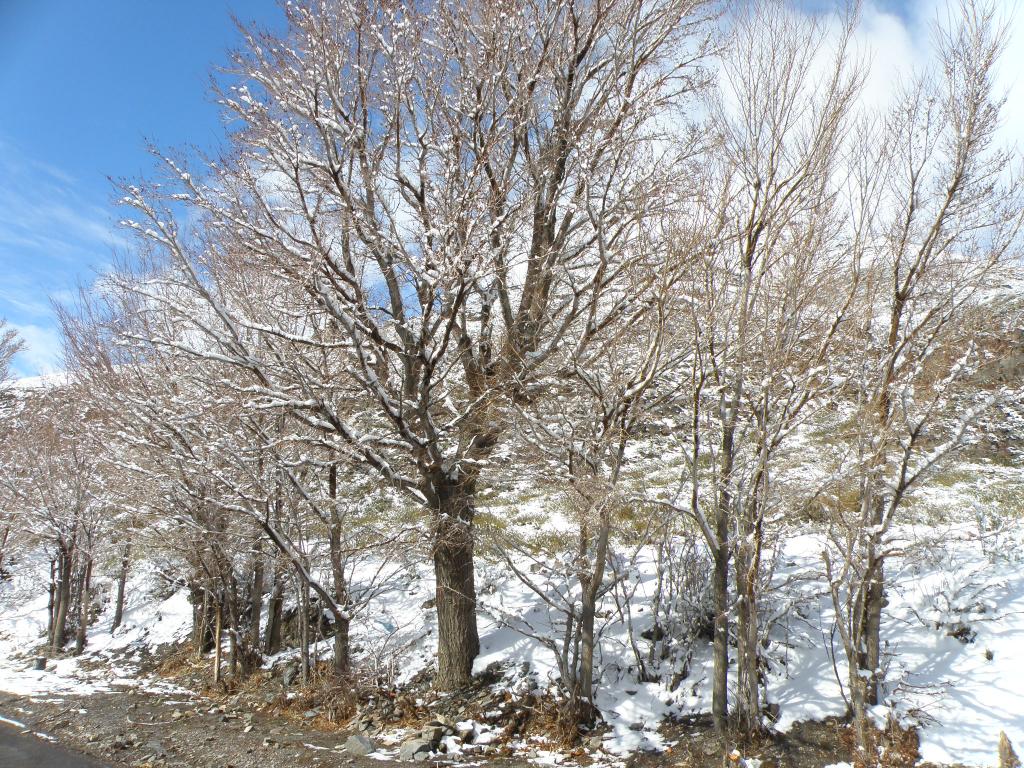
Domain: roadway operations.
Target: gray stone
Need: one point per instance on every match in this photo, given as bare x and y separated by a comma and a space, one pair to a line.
593, 741
359, 745
415, 750
433, 734
466, 732
289, 673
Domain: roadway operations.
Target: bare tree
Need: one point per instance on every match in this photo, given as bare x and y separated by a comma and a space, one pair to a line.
453, 188
772, 282
942, 207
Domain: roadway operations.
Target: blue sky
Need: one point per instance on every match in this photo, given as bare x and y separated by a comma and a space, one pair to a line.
83, 87
84, 84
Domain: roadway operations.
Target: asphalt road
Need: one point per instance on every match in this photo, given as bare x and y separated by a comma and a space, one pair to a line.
18, 750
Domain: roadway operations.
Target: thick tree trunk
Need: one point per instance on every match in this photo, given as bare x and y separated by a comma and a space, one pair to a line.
862, 726
591, 587
256, 596
122, 580
869, 657
51, 605
720, 671
83, 606
60, 620
874, 602
748, 698
203, 620
272, 641
458, 641
721, 554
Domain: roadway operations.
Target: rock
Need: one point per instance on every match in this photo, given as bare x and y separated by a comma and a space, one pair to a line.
359, 745
289, 673
40, 664
121, 742
466, 731
309, 714
433, 734
415, 750
636, 726
177, 714
593, 741
1007, 757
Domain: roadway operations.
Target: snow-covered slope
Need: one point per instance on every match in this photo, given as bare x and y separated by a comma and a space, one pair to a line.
953, 631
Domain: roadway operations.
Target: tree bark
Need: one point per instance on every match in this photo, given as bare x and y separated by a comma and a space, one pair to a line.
4, 535
219, 620
591, 587
304, 665
51, 605
720, 589
256, 596
83, 607
874, 602
272, 640
748, 699
122, 580
65, 563
458, 641
342, 619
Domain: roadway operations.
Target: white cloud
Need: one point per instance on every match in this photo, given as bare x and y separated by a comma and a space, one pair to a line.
42, 353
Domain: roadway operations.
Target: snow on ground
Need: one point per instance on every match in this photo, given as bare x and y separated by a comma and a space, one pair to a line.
148, 622
961, 693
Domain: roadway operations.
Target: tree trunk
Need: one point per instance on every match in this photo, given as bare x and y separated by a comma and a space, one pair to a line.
272, 641
203, 619
748, 699
233, 625
874, 602
720, 589
865, 755
83, 607
303, 630
51, 605
122, 580
218, 626
4, 535
591, 587
63, 600
721, 554
256, 596
342, 666
458, 641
